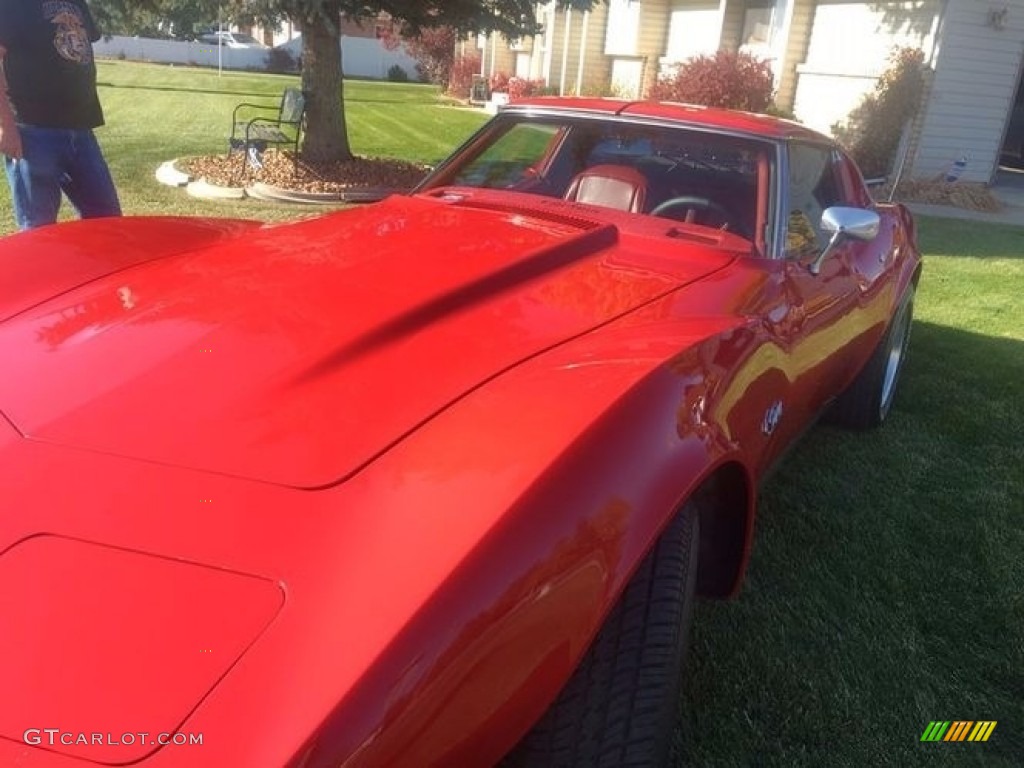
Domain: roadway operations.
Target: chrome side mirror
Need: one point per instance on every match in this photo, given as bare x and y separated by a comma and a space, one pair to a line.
843, 222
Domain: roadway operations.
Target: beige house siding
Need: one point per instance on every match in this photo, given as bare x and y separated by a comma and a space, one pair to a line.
796, 52
556, 60
495, 53
792, 53
975, 79
732, 25
555, 56
654, 18
596, 74
640, 54
566, 52
586, 39
914, 142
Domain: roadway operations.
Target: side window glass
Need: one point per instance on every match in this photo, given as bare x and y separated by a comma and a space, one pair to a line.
855, 191
509, 159
813, 187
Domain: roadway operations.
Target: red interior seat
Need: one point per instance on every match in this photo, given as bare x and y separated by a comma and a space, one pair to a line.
611, 186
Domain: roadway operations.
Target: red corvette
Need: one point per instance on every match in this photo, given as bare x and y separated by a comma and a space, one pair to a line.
432, 481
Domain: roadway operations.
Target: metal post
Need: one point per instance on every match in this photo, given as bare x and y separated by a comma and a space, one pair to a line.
220, 43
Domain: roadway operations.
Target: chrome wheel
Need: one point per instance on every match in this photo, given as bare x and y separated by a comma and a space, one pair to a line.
898, 339
866, 402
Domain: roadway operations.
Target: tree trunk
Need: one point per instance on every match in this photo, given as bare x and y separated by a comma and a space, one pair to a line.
326, 137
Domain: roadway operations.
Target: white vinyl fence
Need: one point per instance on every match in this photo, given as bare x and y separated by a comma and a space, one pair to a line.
361, 56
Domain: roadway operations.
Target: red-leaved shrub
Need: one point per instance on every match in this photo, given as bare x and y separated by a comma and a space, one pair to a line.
726, 79
520, 88
516, 87
460, 80
432, 47
499, 82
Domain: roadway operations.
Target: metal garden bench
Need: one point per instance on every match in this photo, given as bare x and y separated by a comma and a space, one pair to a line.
255, 133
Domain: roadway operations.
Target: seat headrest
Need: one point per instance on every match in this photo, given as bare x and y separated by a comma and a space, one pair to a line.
611, 186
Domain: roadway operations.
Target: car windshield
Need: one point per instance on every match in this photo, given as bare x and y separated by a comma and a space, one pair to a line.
245, 39
678, 172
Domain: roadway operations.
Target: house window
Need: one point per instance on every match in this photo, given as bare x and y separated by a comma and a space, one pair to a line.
762, 27
693, 30
623, 27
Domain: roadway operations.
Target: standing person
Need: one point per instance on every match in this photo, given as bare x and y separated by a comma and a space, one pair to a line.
48, 108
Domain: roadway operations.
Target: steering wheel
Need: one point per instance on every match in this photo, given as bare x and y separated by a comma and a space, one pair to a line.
694, 203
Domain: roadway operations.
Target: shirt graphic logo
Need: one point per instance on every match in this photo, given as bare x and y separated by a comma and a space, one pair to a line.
70, 37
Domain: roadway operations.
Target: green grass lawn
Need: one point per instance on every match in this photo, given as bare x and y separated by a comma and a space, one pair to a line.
886, 586
156, 113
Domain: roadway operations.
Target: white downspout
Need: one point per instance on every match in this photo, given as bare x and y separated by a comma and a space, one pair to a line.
565, 50
549, 41
583, 53
780, 47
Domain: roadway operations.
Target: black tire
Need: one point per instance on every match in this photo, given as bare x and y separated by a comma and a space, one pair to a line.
867, 401
619, 708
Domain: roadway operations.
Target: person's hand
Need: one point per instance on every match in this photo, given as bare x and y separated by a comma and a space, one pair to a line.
10, 139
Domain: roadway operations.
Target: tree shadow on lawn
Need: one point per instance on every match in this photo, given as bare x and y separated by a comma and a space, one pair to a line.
175, 89
885, 587
350, 97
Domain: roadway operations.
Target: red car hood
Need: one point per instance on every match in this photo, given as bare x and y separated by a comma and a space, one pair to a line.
296, 354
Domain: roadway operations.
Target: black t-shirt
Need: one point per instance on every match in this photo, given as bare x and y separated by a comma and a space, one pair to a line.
51, 74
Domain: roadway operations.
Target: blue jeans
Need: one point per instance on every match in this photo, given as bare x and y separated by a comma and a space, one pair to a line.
55, 160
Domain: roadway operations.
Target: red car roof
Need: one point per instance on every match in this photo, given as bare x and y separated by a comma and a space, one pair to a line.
745, 122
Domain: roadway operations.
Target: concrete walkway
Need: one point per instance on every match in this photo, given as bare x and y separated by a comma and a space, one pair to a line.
1008, 188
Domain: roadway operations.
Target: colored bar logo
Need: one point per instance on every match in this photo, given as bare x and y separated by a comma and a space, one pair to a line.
959, 730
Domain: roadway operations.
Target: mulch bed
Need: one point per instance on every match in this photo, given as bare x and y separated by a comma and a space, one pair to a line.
278, 170
972, 196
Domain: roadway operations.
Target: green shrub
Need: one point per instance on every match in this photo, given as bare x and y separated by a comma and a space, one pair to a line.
281, 61
776, 111
397, 74
725, 79
872, 130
